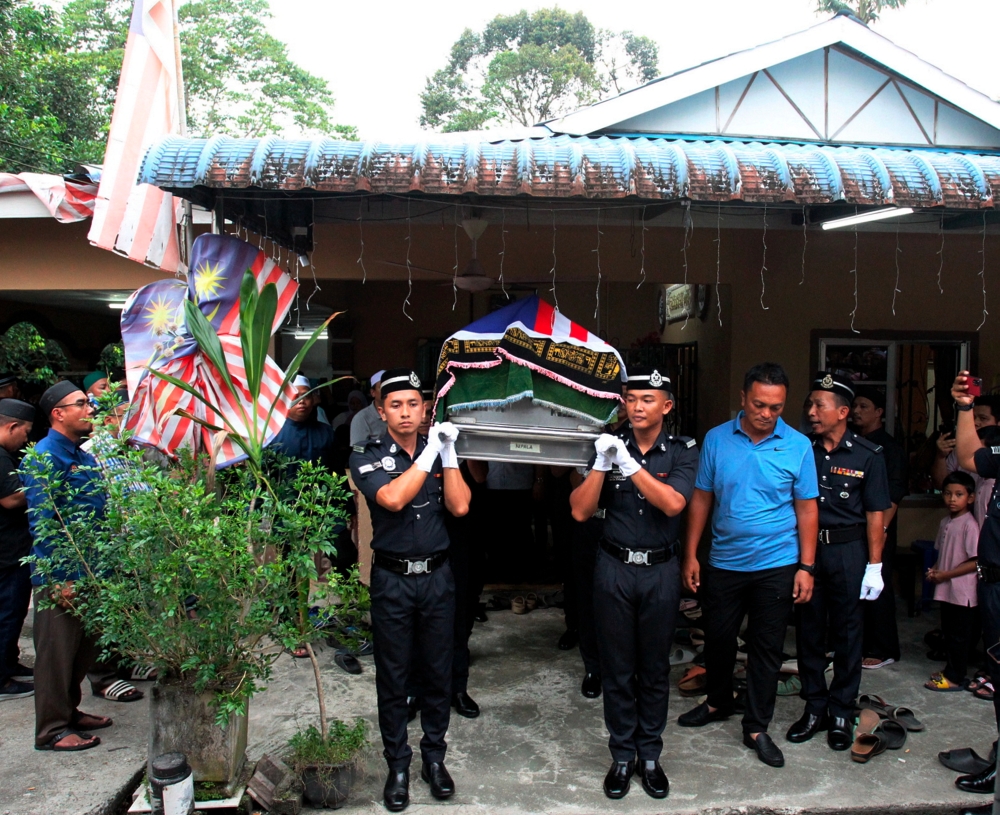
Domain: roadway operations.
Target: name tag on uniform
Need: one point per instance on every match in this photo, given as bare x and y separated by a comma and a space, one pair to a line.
995, 451
525, 447
364, 469
850, 473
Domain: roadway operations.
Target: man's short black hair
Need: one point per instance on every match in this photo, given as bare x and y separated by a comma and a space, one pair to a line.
840, 400
962, 479
767, 373
992, 402
873, 394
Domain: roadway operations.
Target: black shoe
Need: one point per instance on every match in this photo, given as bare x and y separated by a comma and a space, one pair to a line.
806, 727
701, 715
569, 639
396, 792
591, 687
480, 615
986, 809
767, 751
840, 735
984, 782
412, 708
618, 779
654, 780
464, 705
436, 775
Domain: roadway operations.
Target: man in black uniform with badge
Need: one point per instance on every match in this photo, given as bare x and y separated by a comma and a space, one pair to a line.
408, 490
853, 494
643, 479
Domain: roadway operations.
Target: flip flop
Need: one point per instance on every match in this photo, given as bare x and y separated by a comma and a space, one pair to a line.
90, 721
892, 733
790, 687
942, 684
299, 653
964, 760
985, 691
519, 605
681, 656
693, 682
977, 681
88, 742
868, 701
347, 662
877, 663
119, 691
789, 666
531, 601
143, 673
905, 717
866, 743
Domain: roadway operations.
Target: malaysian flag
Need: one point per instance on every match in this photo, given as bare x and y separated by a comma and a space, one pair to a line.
68, 201
156, 337
140, 220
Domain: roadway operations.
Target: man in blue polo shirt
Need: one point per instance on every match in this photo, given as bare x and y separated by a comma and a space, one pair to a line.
761, 475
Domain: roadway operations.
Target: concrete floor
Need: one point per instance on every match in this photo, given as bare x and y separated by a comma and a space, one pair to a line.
539, 746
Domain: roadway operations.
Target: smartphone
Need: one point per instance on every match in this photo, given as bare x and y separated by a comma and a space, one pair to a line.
994, 652
947, 429
974, 386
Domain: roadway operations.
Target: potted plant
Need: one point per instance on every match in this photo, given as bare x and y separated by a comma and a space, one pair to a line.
328, 761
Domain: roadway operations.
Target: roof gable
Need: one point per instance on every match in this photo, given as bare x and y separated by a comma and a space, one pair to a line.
837, 82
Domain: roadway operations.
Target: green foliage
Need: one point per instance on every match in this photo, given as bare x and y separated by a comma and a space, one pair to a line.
112, 357
867, 11
525, 68
342, 745
59, 74
35, 360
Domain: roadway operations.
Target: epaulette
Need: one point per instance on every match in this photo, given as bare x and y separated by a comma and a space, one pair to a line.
687, 441
372, 441
877, 448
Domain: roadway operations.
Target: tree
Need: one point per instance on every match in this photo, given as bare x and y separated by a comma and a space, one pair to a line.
525, 68
867, 11
59, 75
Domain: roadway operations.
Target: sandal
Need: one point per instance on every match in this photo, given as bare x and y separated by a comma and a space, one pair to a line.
120, 691
519, 605
964, 760
892, 733
866, 743
693, 682
792, 686
86, 742
985, 691
977, 681
868, 701
941, 684
301, 652
874, 663
681, 656
90, 721
143, 673
905, 717
347, 662
531, 601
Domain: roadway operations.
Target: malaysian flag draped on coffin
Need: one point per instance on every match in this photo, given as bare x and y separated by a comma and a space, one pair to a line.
528, 350
140, 220
156, 337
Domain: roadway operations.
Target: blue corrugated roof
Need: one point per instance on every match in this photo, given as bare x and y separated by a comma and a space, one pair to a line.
604, 167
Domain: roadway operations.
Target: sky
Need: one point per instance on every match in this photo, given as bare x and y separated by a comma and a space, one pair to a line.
377, 58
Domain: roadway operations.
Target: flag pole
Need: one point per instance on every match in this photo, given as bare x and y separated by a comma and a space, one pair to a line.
186, 223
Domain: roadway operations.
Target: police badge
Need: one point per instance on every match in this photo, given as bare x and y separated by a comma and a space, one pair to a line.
655, 379
415, 380
388, 464
826, 381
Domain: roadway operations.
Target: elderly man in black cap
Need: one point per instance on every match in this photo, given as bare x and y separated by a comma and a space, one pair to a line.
643, 478
64, 652
409, 482
16, 419
853, 495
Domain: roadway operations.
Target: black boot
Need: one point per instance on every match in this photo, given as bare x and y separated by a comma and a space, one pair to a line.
618, 779
396, 792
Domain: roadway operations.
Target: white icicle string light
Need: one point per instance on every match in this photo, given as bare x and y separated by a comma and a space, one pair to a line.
763, 263
718, 262
982, 273
941, 255
454, 269
895, 289
552, 271
597, 292
361, 235
409, 270
805, 243
642, 251
312, 267
688, 228
503, 250
854, 272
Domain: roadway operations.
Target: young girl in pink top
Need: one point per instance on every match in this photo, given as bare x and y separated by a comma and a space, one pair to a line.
955, 575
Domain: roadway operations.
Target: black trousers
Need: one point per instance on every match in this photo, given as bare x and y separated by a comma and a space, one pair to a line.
507, 524
15, 594
586, 538
413, 619
960, 626
989, 610
881, 638
765, 597
833, 621
635, 610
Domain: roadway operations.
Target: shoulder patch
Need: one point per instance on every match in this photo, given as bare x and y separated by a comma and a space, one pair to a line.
687, 441
359, 448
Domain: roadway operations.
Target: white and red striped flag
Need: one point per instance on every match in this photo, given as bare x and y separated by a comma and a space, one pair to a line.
140, 220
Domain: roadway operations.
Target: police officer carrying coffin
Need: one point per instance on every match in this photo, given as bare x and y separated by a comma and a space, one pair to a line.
408, 490
643, 479
853, 494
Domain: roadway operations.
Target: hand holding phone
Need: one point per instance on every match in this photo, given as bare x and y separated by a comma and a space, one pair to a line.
974, 386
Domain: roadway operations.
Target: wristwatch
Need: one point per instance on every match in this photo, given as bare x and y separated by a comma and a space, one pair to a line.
964, 408
809, 568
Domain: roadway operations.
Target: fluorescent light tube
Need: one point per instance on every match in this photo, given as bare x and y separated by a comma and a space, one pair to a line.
865, 217
116, 306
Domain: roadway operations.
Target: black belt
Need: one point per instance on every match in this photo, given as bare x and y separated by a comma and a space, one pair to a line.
843, 534
987, 573
640, 557
409, 565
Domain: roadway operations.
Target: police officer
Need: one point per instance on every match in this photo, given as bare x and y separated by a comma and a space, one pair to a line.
643, 479
853, 494
409, 481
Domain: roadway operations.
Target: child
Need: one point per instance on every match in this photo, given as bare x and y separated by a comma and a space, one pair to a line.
955, 575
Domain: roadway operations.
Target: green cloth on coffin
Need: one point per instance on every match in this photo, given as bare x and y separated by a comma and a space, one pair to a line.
507, 383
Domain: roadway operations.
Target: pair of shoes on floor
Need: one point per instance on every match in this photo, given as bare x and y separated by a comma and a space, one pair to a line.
619, 779
396, 792
524, 604
119, 691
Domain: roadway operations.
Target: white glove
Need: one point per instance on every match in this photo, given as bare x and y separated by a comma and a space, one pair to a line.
447, 433
602, 444
425, 461
872, 585
620, 456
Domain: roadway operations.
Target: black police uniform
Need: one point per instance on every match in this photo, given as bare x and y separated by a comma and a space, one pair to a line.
413, 614
852, 481
636, 596
987, 461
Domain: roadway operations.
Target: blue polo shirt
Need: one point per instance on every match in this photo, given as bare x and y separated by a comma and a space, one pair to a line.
755, 485
73, 465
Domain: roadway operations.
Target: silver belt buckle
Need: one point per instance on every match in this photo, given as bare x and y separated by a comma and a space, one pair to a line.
638, 558
417, 566
824, 536
979, 571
